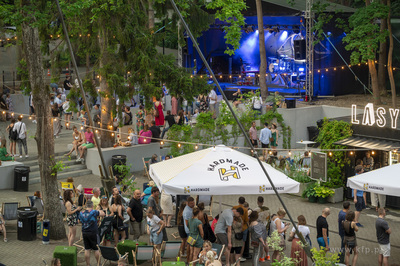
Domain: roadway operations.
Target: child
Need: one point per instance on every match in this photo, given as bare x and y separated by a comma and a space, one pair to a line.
203, 258
132, 138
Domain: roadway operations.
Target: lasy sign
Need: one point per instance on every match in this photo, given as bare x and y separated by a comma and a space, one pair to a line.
370, 116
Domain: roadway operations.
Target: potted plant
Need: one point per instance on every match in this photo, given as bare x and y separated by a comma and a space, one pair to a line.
310, 193
323, 193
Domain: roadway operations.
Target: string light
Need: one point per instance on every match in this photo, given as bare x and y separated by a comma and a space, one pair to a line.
351, 153
196, 147
82, 128
373, 152
112, 134
161, 142
179, 145
30, 117
220, 77
330, 153
290, 153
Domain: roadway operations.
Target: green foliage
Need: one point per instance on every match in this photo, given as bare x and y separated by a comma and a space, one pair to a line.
331, 132
180, 133
324, 258
127, 180
58, 167
22, 71
365, 35
231, 13
323, 192
310, 191
273, 243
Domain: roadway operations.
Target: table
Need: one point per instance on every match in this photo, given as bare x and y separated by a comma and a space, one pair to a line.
306, 142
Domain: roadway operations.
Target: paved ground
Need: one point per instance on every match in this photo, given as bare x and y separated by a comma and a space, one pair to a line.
31, 253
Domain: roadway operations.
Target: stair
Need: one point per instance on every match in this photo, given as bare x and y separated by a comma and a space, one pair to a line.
73, 168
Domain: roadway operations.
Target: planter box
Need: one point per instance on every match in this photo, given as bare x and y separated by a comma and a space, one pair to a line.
303, 186
337, 197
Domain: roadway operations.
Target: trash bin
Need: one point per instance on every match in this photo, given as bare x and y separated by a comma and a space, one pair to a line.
117, 160
26, 223
21, 178
46, 232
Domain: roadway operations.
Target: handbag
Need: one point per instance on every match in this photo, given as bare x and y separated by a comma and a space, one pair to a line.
191, 241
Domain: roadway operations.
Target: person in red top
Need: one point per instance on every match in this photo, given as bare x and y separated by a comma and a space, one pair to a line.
160, 118
88, 142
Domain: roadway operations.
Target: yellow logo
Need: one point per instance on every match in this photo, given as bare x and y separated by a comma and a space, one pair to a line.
261, 188
225, 174
186, 189
366, 186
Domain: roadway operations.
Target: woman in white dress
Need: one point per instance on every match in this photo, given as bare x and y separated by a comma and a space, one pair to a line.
166, 206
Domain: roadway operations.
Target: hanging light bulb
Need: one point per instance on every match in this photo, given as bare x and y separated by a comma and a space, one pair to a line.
330, 153
55, 119
12, 114
179, 145
290, 153
30, 117
162, 142
112, 134
373, 153
81, 128
97, 131
196, 147
351, 153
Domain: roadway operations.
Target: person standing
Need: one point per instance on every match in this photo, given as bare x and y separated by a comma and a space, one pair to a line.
275, 136
155, 229
253, 134
153, 203
118, 222
12, 137
297, 252
358, 198
32, 108
72, 216
258, 236
97, 115
265, 137
67, 84
135, 212
257, 103
323, 229
350, 240
159, 108
167, 207
383, 232
140, 119
171, 121
187, 215
223, 229
56, 120
96, 197
341, 219
196, 233
212, 96
90, 230
20, 127
280, 227
174, 105
245, 226
263, 217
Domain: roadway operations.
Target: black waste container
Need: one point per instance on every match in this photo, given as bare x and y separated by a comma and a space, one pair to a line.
117, 160
21, 178
312, 133
290, 103
27, 223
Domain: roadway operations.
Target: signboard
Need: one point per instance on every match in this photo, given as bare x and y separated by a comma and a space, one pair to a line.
371, 117
318, 166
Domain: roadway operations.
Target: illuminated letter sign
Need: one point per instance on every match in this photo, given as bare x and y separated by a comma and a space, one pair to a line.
380, 113
369, 116
394, 113
354, 119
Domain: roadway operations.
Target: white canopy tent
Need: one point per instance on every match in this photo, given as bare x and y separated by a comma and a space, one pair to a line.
384, 181
218, 171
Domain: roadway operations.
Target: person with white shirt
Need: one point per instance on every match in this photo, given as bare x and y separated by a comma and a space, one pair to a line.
20, 127
256, 100
297, 252
212, 96
265, 138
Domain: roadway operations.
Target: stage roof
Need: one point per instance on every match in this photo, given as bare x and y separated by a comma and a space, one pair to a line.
301, 5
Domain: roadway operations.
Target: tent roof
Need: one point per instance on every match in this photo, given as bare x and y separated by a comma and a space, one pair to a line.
369, 143
381, 181
218, 171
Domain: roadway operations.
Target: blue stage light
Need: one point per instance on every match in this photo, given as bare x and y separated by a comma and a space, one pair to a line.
301, 69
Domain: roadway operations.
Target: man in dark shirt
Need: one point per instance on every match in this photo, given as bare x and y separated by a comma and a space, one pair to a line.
115, 192
323, 229
155, 131
382, 234
135, 212
88, 219
67, 83
341, 218
171, 121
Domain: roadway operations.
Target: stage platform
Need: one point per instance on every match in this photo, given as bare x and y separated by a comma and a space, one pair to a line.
283, 90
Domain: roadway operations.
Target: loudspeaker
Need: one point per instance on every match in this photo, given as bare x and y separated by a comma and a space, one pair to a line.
290, 103
299, 49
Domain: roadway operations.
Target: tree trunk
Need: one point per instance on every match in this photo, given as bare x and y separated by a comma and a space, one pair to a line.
151, 15
382, 59
107, 138
44, 132
263, 55
390, 58
374, 81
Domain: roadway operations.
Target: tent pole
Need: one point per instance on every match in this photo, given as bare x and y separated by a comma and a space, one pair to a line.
307, 248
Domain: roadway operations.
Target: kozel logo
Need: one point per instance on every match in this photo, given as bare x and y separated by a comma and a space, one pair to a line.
370, 117
225, 172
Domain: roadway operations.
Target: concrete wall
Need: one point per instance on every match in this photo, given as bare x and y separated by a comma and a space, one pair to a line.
134, 156
300, 118
21, 103
7, 174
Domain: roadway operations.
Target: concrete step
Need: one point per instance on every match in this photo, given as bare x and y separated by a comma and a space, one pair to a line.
35, 157
69, 163
63, 175
71, 168
34, 162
